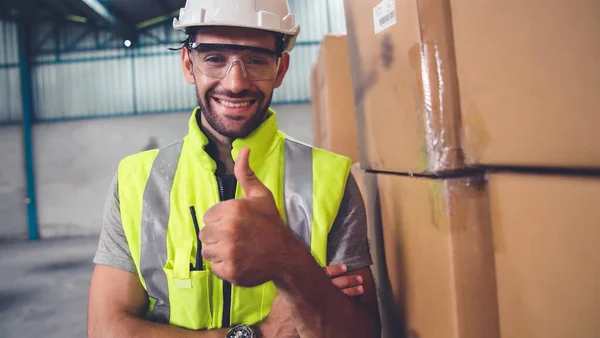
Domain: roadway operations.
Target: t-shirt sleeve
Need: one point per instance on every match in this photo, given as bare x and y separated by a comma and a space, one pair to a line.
113, 249
347, 242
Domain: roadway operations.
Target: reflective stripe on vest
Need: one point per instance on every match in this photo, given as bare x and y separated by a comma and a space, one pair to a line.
298, 189
298, 197
155, 216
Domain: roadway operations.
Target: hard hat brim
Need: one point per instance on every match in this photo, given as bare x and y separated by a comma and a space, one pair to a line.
179, 26
290, 35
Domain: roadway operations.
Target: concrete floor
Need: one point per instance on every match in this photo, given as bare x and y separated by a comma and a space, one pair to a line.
44, 287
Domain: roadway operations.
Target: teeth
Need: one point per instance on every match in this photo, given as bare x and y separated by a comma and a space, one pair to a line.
234, 105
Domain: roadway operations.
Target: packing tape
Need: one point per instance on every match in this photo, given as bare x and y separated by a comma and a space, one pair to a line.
458, 202
470, 204
437, 108
464, 201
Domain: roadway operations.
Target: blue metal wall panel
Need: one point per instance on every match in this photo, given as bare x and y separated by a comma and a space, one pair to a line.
10, 95
94, 55
10, 82
9, 49
79, 89
160, 85
311, 15
296, 85
337, 19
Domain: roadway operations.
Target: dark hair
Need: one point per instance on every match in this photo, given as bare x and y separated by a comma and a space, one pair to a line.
191, 34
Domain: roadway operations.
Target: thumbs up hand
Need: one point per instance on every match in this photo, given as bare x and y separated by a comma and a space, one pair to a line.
251, 185
246, 238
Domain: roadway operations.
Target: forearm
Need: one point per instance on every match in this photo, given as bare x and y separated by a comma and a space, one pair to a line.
317, 307
130, 325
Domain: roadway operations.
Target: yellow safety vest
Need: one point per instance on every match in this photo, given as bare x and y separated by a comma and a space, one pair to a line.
157, 188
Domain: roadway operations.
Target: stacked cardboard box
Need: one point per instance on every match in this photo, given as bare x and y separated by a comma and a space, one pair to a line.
332, 101
462, 109
526, 74
546, 231
434, 255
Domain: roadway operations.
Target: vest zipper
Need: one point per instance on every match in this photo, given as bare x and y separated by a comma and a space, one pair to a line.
226, 320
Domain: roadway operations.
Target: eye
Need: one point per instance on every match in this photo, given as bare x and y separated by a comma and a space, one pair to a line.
256, 60
214, 59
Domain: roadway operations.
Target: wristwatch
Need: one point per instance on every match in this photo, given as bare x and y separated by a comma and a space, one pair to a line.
241, 331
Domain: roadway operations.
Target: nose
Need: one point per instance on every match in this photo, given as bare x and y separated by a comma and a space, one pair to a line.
236, 80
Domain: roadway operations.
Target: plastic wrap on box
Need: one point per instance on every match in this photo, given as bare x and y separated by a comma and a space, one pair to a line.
437, 88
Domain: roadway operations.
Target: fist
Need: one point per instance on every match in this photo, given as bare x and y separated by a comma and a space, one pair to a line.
246, 237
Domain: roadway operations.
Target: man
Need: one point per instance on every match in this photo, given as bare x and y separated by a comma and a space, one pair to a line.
226, 233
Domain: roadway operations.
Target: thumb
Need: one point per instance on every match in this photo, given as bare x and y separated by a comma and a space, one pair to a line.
251, 185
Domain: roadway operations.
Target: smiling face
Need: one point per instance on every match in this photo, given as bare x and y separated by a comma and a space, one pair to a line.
236, 104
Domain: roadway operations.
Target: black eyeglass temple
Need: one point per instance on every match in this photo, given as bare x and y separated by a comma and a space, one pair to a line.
209, 46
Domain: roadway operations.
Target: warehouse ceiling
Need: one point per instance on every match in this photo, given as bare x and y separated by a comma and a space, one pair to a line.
104, 13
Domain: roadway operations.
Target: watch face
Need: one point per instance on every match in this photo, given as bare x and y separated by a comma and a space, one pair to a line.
240, 332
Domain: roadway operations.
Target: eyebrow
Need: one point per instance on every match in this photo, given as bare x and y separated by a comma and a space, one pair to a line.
212, 46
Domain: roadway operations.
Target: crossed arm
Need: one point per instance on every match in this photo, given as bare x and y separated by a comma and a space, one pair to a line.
118, 301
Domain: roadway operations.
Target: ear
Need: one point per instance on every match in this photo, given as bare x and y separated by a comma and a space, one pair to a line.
284, 65
188, 67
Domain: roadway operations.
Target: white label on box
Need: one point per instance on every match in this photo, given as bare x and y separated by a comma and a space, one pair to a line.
384, 15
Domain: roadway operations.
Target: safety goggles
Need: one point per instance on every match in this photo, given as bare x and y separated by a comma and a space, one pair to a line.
217, 60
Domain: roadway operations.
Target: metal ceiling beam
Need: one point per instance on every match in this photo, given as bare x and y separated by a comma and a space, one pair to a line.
156, 21
102, 11
58, 10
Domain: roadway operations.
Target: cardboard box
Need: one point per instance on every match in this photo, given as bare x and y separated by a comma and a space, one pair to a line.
529, 76
546, 234
333, 105
519, 90
436, 275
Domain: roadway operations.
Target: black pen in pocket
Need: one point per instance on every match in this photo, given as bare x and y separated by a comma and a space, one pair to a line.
199, 264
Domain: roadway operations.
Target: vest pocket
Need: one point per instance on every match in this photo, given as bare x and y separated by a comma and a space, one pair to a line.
189, 300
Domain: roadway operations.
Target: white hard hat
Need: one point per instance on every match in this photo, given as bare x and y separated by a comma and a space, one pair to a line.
269, 15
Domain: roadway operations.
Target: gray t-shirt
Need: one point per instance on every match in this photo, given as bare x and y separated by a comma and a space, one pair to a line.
347, 241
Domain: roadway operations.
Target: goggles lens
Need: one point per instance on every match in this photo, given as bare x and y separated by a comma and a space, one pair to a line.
217, 60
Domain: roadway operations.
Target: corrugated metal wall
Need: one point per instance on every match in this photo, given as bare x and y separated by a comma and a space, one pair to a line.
316, 18
102, 78
110, 82
337, 19
10, 81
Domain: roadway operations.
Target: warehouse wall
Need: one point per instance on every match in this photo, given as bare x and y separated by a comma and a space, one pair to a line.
10, 84
106, 80
13, 214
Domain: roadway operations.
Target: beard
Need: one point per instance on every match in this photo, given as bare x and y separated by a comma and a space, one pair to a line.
219, 123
